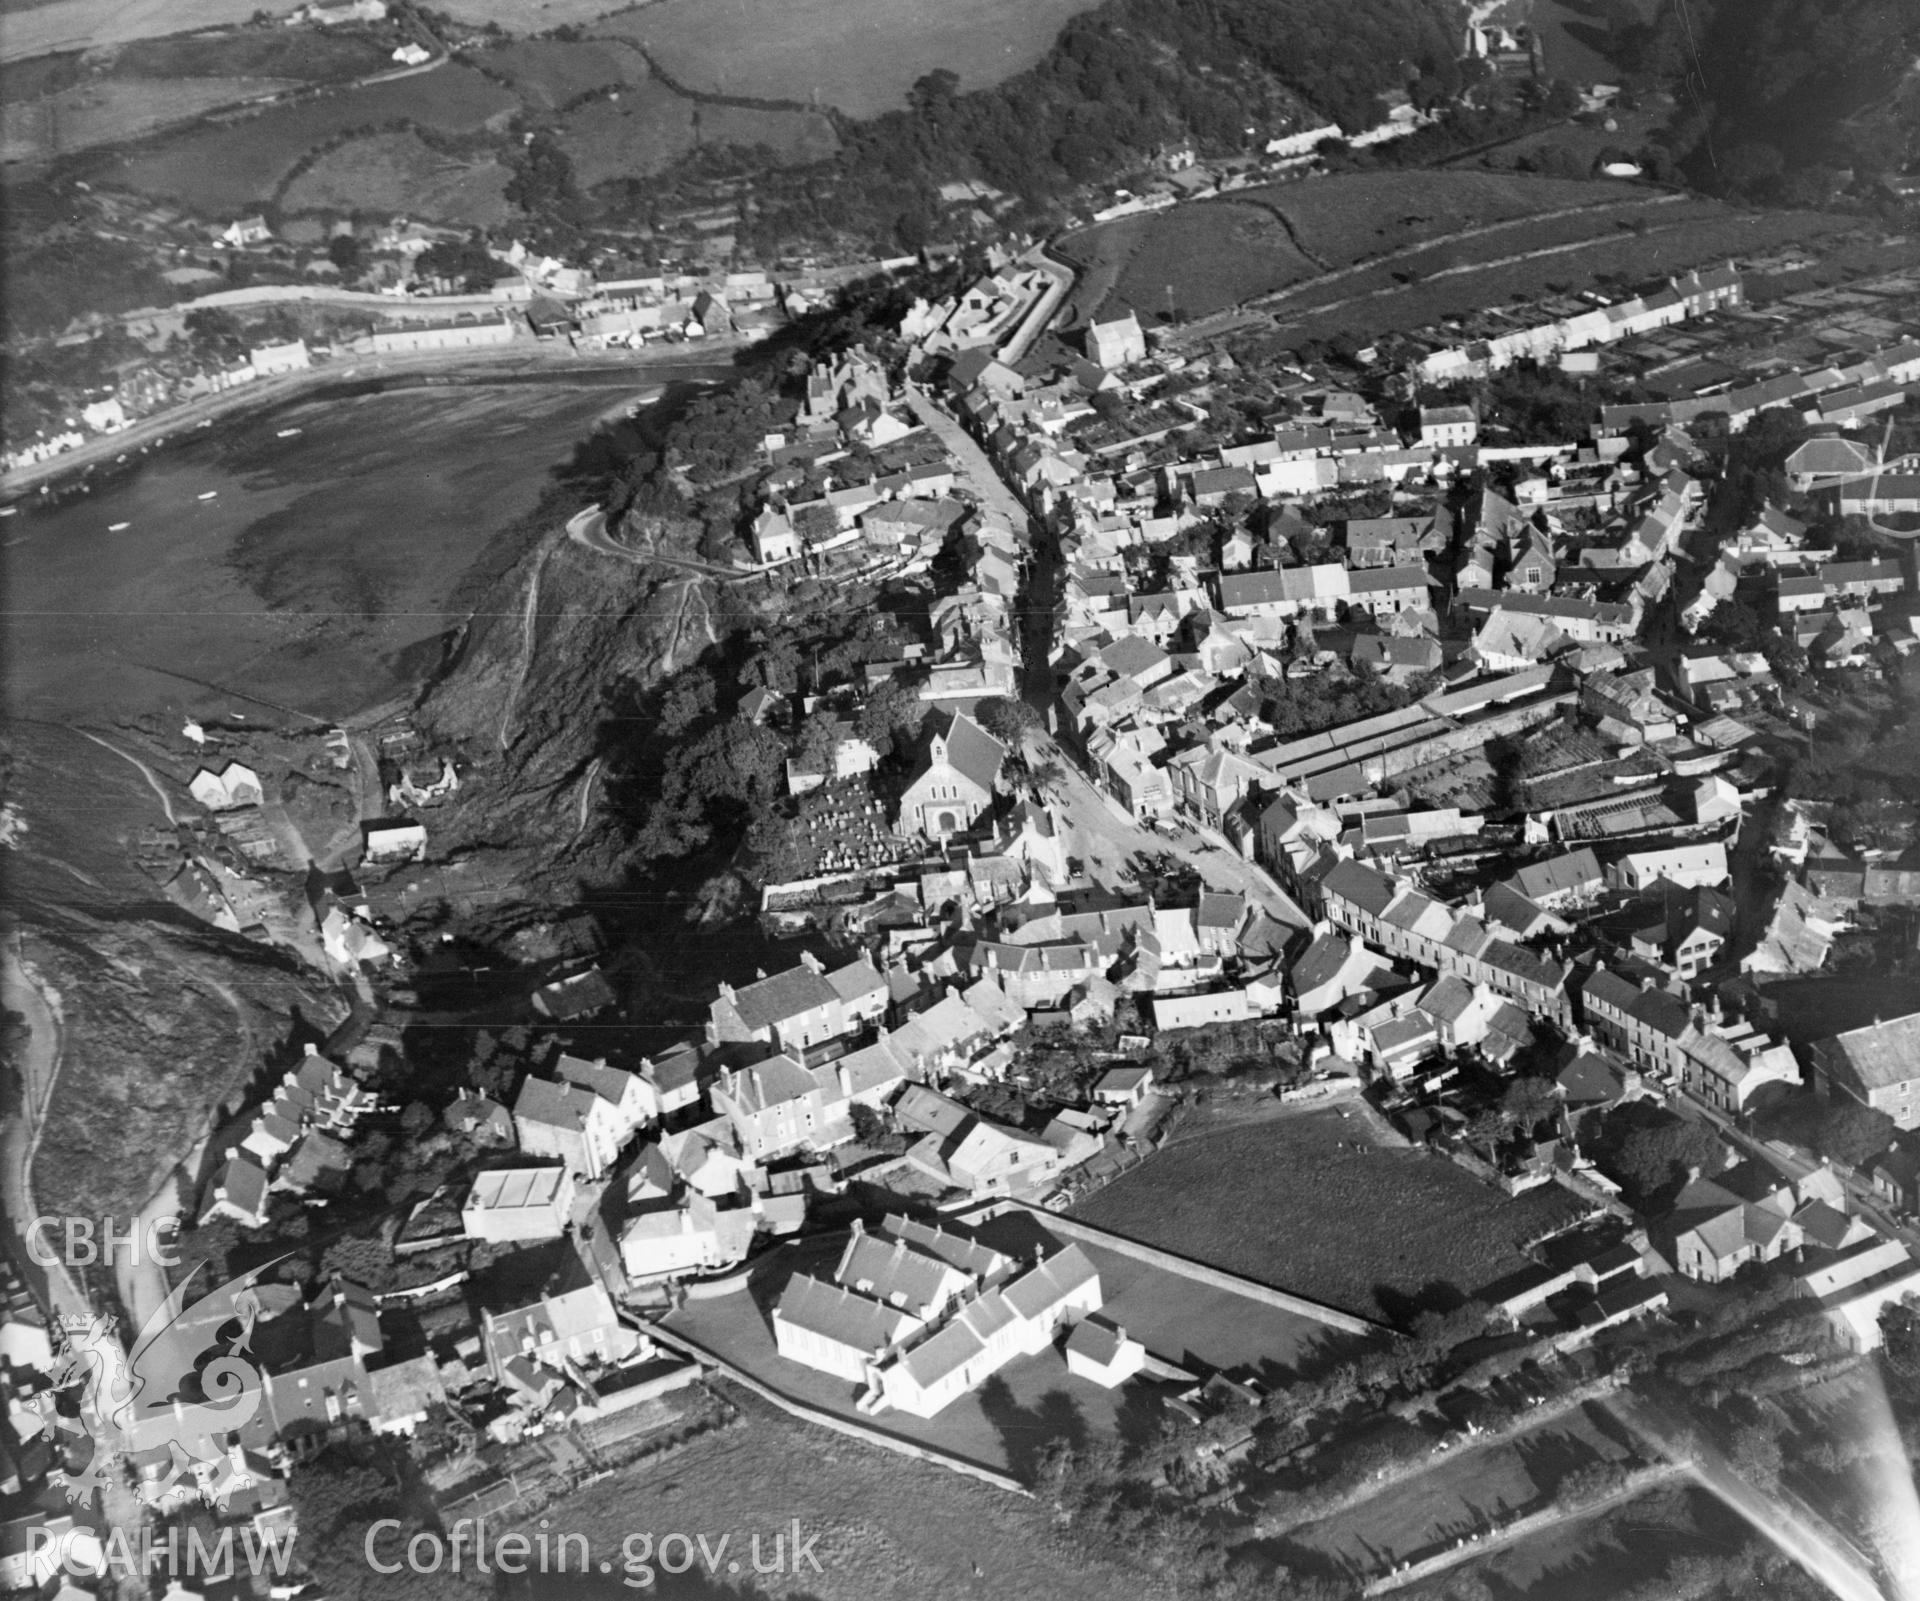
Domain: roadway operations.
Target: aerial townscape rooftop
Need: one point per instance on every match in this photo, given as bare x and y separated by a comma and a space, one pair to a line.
1035, 800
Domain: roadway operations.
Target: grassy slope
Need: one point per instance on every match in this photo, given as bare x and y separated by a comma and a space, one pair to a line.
858, 55
220, 169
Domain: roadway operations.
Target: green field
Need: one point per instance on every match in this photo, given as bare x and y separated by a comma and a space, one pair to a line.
308, 54
1356, 216
649, 127
397, 172
888, 1529
1309, 1204
551, 73
58, 104
1377, 302
111, 111
1221, 253
861, 56
220, 169
37, 30
1216, 254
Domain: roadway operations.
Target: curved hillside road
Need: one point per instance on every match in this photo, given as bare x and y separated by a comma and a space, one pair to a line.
152, 778
589, 529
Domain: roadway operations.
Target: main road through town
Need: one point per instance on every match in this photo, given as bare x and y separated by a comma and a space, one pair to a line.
1102, 834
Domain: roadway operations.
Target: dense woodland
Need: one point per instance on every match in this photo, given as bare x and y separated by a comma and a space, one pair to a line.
1775, 96
1123, 83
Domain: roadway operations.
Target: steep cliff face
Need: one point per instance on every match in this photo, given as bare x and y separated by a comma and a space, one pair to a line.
161, 1018
538, 694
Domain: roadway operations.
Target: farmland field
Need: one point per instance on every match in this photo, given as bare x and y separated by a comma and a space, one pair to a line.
888, 1529
529, 16
1221, 253
218, 170
1309, 1204
650, 126
397, 172
646, 129
36, 30
1217, 253
109, 111
308, 54
861, 56
1354, 216
1375, 304
550, 73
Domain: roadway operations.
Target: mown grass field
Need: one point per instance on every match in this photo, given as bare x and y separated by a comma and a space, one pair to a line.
1310, 1204
861, 56
220, 169
398, 172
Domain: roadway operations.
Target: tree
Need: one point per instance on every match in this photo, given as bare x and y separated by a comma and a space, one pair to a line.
1008, 720
1657, 1156
343, 250
1755, 1454
1852, 1133
892, 716
1530, 1102
1486, 1132
338, 1497
688, 701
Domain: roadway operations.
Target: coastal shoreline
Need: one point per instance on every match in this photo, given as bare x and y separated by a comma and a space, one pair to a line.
533, 364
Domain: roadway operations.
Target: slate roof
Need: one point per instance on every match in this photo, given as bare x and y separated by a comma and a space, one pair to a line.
1880, 1055
838, 1314
1040, 1289
558, 1105
1577, 870
972, 1258
773, 1000
1372, 892
972, 751
894, 1272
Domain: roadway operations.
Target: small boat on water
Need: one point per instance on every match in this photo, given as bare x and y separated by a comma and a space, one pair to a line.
118, 528
209, 494
286, 433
